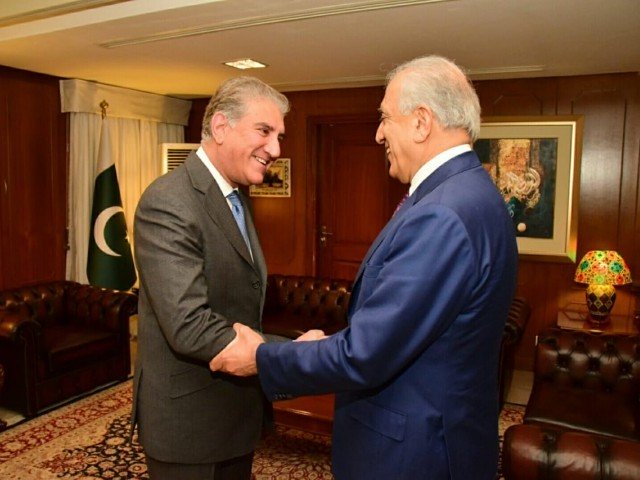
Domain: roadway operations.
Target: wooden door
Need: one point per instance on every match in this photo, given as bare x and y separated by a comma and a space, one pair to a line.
355, 196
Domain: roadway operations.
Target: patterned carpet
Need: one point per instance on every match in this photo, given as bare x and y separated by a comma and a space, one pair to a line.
89, 440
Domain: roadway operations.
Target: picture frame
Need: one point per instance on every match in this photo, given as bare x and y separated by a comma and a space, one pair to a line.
277, 180
535, 163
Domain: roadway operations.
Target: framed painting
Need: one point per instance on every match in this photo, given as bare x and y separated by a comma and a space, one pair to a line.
277, 180
535, 164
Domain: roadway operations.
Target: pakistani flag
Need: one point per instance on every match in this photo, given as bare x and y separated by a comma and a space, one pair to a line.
109, 263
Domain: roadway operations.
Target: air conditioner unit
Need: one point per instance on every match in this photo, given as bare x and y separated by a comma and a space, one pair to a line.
174, 154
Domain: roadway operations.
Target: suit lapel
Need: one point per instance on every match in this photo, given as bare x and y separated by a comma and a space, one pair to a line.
216, 205
383, 233
454, 166
256, 250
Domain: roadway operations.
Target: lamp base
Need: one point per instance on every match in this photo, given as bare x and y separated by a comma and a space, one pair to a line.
600, 301
598, 321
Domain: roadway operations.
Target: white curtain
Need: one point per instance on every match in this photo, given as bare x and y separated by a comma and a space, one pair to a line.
135, 146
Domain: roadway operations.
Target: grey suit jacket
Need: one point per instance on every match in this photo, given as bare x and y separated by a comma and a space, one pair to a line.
196, 279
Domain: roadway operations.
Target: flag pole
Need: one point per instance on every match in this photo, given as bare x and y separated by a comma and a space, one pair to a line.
103, 106
109, 259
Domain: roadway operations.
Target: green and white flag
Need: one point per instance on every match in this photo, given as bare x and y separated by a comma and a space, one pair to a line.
109, 263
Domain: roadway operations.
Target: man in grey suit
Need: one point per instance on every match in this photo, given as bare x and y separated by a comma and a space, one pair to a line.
202, 269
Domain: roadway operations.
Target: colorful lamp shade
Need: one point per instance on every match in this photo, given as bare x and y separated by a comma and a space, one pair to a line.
601, 270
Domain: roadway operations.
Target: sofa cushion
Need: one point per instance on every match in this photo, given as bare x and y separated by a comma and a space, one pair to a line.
590, 411
532, 452
66, 346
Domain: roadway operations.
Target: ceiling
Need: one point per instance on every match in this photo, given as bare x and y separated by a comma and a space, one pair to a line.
177, 47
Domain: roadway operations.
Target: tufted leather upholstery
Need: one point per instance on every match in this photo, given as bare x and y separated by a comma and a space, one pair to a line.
583, 415
61, 339
533, 452
587, 382
295, 304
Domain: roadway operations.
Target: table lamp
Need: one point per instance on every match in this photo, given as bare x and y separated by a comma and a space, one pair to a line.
601, 270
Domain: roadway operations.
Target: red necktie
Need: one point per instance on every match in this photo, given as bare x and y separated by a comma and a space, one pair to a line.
401, 202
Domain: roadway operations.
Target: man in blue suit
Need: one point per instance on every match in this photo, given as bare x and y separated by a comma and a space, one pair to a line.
415, 370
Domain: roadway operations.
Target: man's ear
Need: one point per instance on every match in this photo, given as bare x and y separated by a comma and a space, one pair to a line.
423, 122
219, 123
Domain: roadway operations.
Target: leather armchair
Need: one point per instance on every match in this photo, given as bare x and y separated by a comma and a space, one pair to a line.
62, 339
583, 415
587, 382
533, 452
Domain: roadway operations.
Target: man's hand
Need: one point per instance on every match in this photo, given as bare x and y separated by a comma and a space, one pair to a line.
239, 356
310, 335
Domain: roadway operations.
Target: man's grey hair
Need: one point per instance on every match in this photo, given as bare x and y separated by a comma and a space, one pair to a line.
440, 85
232, 97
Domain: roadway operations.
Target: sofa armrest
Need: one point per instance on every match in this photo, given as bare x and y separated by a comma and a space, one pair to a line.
531, 452
17, 322
95, 305
517, 319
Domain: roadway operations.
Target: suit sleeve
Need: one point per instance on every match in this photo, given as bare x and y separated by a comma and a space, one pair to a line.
169, 257
414, 286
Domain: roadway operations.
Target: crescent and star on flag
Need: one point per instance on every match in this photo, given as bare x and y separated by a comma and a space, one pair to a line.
109, 261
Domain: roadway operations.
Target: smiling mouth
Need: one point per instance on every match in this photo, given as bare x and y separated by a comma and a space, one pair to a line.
261, 160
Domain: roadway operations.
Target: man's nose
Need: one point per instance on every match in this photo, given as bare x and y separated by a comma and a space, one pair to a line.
379, 135
273, 148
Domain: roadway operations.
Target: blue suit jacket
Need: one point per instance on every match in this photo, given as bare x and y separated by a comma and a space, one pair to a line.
416, 369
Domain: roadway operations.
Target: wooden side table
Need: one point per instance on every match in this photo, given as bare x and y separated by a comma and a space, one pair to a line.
576, 318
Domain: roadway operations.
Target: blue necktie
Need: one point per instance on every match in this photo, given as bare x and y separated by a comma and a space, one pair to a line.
238, 214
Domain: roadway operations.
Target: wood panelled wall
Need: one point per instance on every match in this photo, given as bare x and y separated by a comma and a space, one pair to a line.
33, 179
33, 168
609, 213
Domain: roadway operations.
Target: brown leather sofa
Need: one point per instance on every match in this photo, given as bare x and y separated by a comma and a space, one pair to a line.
295, 304
62, 339
583, 416
534, 452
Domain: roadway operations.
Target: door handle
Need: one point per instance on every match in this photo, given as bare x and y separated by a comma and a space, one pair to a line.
324, 233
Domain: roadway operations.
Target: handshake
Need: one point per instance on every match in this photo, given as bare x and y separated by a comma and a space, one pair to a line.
239, 356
